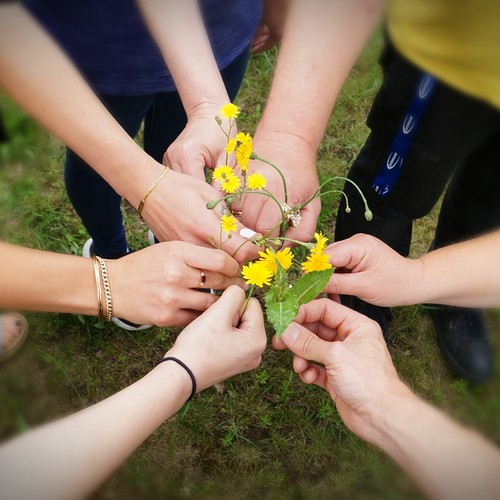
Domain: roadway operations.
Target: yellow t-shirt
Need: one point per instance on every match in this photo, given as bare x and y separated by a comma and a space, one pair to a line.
458, 41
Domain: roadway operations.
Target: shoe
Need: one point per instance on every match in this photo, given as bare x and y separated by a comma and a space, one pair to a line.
152, 238
88, 251
382, 315
463, 339
13, 333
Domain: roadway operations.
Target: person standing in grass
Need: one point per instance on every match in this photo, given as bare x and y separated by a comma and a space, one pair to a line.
437, 113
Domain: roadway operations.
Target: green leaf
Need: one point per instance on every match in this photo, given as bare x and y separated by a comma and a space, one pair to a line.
280, 313
310, 285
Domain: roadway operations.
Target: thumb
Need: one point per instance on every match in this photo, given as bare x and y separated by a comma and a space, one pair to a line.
304, 343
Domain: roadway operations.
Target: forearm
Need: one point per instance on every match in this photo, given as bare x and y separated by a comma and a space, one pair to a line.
322, 41
465, 274
445, 459
71, 457
36, 73
45, 281
180, 33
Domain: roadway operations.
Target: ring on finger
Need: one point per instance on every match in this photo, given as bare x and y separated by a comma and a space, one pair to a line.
203, 279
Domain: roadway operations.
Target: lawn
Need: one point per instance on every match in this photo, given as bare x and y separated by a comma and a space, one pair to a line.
259, 435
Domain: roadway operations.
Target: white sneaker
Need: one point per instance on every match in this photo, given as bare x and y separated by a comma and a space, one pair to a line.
151, 237
88, 249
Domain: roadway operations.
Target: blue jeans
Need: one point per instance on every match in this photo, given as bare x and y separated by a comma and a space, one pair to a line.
95, 201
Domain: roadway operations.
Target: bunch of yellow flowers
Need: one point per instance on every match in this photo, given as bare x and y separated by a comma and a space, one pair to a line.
283, 297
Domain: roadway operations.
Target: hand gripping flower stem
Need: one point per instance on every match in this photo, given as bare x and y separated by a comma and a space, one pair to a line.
368, 212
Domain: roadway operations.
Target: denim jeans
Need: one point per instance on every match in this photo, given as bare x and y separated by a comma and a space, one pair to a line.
95, 201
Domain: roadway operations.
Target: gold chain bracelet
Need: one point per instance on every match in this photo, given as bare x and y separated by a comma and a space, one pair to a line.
150, 190
107, 289
97, 275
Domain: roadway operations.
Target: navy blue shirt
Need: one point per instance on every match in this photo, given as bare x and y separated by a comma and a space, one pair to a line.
112, 47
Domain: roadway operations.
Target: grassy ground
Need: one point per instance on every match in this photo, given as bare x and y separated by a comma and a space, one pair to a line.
259, 435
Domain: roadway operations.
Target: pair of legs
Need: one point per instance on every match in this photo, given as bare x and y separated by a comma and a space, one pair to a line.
95, 201
455, 143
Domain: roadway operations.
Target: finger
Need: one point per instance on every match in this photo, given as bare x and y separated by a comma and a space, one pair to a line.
197, 300
216, 281
300, 364
229, 304
304, 343
348, 253
210, 260
182, 317
252, 319
316, 375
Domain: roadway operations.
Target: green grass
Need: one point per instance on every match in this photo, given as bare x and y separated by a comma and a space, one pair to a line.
259, 435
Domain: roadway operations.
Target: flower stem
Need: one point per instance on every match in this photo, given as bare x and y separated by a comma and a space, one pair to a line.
247, 300
257, 157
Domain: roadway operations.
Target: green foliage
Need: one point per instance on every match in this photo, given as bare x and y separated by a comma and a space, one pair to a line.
262, 434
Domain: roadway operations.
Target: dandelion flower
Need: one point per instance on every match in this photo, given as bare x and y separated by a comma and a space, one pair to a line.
243, 138
283, 257
230, 146
257, 273
229, 111
230, 184
321, 241
316, 262
228, 224
257, 181
223, 172
243, 153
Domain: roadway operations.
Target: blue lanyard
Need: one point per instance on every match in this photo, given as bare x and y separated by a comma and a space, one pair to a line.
390, 170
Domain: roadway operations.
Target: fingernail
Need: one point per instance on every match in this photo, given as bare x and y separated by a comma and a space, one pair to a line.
247, 233
291, 333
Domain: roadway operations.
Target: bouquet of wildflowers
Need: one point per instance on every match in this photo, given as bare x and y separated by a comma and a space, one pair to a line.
284, 293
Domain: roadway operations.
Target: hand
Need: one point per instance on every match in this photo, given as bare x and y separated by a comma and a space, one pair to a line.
297, 162
357, 368
223, 342
176, 210
372, 271
270, 31
201, 144
158, 285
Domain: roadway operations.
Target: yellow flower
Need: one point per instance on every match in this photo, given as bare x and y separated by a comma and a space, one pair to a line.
230, 146
230, 110
228, 224
243, 153
316, 262
257, 273
257, 181
321, 241
243, 138
222, 172
230, 184
271, 259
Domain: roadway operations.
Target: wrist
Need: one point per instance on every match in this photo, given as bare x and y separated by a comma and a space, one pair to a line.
173, 377
385, 416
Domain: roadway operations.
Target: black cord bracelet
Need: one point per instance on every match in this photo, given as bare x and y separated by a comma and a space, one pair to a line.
189, 372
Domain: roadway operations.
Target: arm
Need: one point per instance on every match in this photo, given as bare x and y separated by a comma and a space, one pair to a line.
71, 457
191, 62
272, 25
321, 42
464, 274
444, 458
35, 72
156, 285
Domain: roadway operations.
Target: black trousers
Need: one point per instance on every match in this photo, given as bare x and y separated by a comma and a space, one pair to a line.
457, 140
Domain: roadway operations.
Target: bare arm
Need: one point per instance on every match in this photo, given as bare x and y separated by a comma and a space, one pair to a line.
321, 42
41, 78
465, 274
69, 458
445, 459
